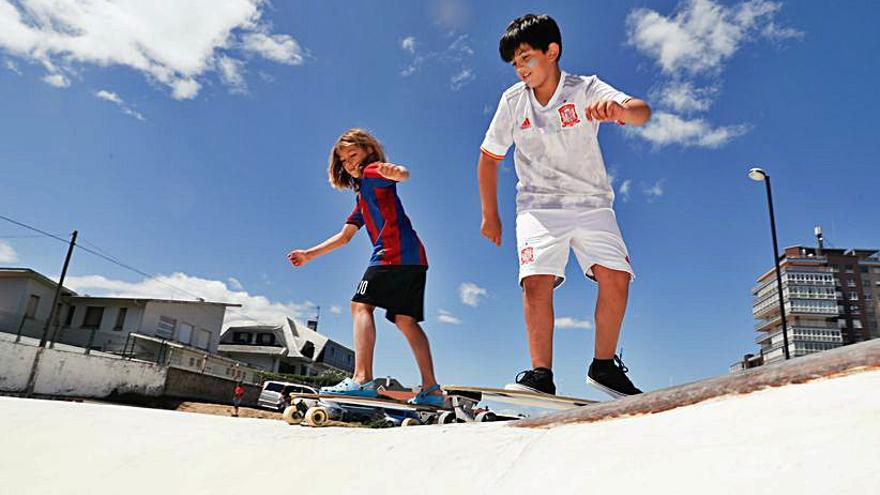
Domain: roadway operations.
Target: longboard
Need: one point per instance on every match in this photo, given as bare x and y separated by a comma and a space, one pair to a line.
518, 397
319, 409
322, 409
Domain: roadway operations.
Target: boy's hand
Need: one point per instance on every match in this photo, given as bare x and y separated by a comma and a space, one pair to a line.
606, 111
392, 172
491, 229
298, 257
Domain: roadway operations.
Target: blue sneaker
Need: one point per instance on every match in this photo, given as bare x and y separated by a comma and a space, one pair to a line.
427, 397
350, 387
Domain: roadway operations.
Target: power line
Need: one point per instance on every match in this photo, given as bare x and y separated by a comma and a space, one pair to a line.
98, 252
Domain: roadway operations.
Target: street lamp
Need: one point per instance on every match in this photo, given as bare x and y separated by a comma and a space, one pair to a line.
757, 174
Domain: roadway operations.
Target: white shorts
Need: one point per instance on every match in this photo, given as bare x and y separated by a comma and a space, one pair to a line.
544, 237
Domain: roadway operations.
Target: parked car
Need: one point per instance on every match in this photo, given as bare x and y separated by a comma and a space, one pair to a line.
276, 395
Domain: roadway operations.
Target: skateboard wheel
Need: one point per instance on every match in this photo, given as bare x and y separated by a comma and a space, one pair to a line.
317, 415
292, 415
446, 417
410, 422
485, 417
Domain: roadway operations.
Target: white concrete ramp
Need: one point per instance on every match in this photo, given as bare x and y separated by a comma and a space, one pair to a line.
822, 436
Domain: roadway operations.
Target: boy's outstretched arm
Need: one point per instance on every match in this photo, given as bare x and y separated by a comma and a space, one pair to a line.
487, 179
299, 257
634, 112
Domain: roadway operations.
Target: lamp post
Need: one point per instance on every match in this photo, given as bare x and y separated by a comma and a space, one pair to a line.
759, 175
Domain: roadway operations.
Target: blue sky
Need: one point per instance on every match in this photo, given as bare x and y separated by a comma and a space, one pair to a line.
193, 146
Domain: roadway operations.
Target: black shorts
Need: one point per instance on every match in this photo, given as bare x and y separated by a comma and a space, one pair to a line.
399, 289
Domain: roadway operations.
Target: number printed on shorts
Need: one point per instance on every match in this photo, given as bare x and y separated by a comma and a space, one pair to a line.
362, 287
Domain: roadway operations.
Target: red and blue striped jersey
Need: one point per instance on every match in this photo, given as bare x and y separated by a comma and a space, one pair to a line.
379, 208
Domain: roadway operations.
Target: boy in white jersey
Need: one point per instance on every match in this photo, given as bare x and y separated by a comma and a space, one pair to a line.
564, 199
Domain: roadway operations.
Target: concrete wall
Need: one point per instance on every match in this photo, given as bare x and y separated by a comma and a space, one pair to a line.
80, 375
195, 386
16, 361
74, 374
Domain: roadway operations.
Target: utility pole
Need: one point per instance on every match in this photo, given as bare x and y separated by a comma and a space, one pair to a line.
58, 290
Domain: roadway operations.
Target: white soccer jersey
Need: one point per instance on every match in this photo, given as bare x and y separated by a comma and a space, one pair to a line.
558, 160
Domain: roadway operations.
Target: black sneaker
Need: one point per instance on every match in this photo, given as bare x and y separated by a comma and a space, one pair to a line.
537, 380
608, 375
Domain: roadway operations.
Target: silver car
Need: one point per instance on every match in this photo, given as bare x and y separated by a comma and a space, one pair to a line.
276, 395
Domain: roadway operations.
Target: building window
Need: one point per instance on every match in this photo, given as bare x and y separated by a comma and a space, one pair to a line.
165, 329
184, 333
120, 319
69, 319
94, 314
266, 339
241, 337
33, 304
203, 339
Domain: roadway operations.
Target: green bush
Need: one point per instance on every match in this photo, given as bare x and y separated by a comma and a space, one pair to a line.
325, 379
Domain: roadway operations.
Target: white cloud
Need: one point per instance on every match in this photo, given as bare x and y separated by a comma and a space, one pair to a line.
409, 44
691, 46
702, 34
231, 74
174, 43
279, 48
684, 97
461, 79
7, 253
336, 310
116, 99
12, 66
56, 80
235, 283
409, 70
470, 293
456, 57
448, 318
255, 309
568, 322
665, 128
653, 191
625, 188
109, 96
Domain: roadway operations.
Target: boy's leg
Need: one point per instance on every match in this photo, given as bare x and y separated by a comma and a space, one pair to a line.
610, 308
603, 256
538, 309
421, 348
364, 341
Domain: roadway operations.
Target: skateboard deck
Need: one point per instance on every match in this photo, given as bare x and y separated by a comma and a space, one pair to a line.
330, 410
518, 397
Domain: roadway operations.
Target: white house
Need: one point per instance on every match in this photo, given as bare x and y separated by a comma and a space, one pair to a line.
104, 323
287, 348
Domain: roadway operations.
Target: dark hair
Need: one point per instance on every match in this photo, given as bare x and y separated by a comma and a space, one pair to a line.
536, 30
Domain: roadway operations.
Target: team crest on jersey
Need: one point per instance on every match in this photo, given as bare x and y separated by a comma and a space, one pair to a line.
527, 255
568, 115
525, 124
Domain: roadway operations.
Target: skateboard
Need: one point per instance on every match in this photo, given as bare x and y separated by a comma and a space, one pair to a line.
326, 409
517, 397
329, 410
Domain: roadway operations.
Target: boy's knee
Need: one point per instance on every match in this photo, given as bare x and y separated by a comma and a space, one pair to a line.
538, 285
361, 309
611, 278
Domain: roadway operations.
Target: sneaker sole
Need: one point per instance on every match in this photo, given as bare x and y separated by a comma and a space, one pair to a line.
610, 391
522, 388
